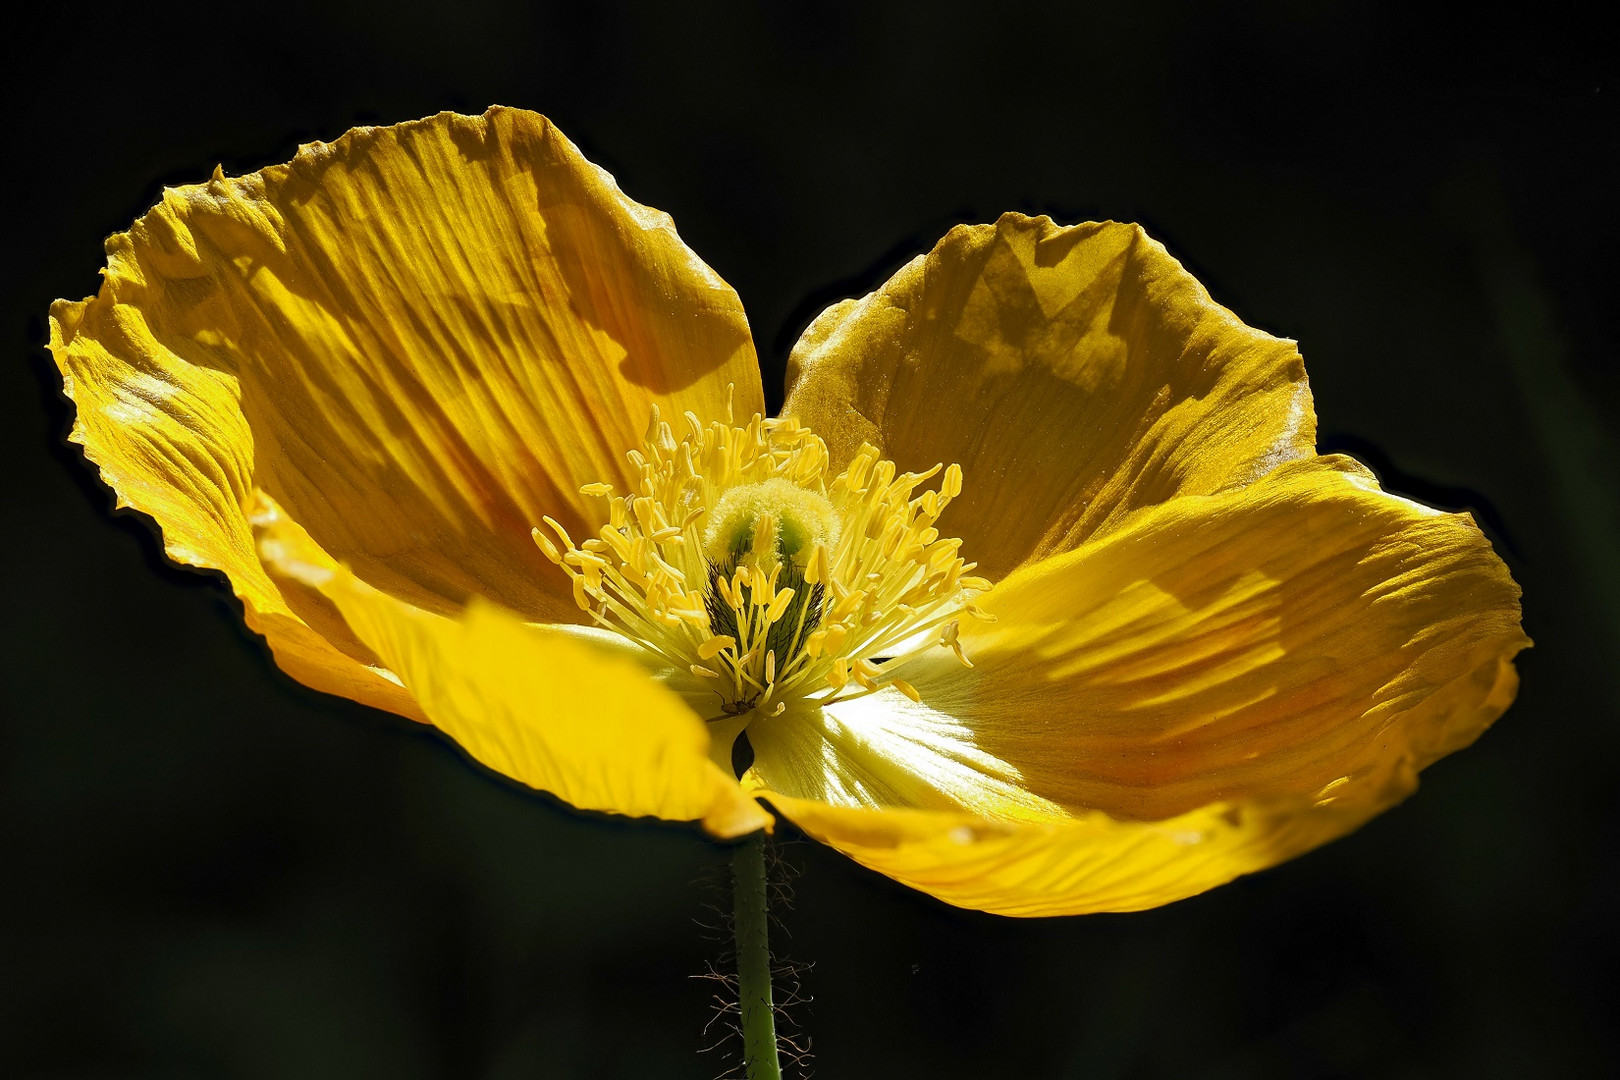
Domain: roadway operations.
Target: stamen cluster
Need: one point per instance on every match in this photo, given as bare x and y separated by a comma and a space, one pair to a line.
737, 560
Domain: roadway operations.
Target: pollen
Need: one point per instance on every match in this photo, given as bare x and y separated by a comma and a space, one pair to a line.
737, 557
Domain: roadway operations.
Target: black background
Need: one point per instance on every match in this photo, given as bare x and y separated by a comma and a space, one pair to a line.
207, 871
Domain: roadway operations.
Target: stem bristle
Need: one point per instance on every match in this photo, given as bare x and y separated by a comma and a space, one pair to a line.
792, 1043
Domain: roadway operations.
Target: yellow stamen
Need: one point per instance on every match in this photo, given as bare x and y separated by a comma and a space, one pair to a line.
815, 571
905, 687
715, 646
779, 582
546, 546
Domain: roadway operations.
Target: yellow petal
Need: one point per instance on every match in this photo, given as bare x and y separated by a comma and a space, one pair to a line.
1268, 641
884, 750
172, 443
557, 708
1225, 682
1090, 861
308, 636
416, 341
1077, 374
1087, 862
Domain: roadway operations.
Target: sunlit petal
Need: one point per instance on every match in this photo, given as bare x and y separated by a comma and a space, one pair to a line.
883, 750
1261, 670
558, 710
1077, 374
171, 442
415, 340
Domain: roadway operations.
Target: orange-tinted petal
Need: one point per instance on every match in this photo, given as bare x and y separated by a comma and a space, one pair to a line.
1077, 374
415, 341
1090, 861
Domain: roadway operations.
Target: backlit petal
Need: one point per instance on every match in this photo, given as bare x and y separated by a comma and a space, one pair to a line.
1089, 862
1271, 641
883, 750
1258, 671
1077, 374
555, 709
416, 341
171, 442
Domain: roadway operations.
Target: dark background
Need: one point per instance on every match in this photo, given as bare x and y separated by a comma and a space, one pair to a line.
208, 871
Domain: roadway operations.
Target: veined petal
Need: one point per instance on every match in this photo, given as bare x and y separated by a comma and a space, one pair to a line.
172, 443
1277, 640
308, 636
1076, 374
883, 750
1087, 862
416, 341
554, 709
1221, 684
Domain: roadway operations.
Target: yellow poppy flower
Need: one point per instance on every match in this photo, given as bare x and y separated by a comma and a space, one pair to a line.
1037, 598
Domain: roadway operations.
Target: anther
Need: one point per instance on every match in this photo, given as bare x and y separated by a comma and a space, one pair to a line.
815, 571
779, 605
547, 548
716, 645
562, 533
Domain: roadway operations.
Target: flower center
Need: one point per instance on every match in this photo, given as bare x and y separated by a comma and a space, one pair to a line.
738, 560
774, 518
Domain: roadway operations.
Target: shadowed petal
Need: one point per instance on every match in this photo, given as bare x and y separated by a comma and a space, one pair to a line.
1262, 670
415, 341
1077, 374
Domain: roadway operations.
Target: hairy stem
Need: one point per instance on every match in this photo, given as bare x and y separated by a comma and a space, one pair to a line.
754, 959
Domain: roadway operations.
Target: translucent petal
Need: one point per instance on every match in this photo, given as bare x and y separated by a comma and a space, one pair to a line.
415, 341
556, 709
1262, 670
1077, 374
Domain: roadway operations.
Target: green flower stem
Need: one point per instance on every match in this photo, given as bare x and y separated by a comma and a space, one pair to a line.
754, 959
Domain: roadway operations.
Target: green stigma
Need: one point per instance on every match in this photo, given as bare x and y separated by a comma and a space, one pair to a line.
750, 519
